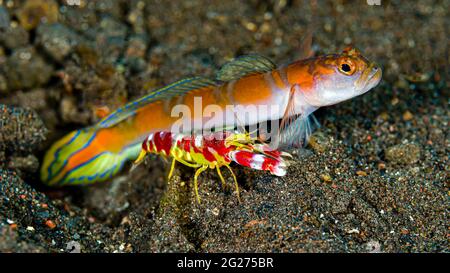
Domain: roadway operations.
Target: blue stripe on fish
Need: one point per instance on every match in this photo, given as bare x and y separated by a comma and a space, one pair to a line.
120, 158
72, 154
56, 154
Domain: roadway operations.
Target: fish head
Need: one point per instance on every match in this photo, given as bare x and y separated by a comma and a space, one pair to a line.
339, 77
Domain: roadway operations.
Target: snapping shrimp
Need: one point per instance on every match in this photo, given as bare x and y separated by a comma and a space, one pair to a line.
214, 151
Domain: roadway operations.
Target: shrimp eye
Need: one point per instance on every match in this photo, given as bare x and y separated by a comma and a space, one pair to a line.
347, 67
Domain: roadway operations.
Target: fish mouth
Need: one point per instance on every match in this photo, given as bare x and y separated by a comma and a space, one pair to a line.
370, 78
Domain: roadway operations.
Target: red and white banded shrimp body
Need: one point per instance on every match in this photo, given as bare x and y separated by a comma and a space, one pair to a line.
214, 151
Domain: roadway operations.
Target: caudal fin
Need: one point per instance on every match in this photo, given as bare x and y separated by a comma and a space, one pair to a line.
78, 159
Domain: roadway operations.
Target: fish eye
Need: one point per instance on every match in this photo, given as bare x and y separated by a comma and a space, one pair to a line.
346, 67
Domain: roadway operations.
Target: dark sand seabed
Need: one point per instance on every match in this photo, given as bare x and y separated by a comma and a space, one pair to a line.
374, 177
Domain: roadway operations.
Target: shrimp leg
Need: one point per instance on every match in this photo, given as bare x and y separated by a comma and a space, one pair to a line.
197, 173
220, 175
235, 182
172, 167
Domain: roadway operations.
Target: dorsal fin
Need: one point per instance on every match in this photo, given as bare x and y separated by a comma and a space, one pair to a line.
244, 65
175, 89
305, 49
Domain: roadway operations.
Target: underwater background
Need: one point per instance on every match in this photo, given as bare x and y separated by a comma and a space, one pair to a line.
374, 177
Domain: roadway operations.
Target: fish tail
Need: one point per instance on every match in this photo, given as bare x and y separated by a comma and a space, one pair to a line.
79, 158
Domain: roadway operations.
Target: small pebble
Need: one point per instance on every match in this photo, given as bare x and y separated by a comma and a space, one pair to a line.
408, 153
33, 12
394, 101
57, 40
361, 173
215, 211
373, 247
326, 178
355, 230
50, 224
407, 116
319, 142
